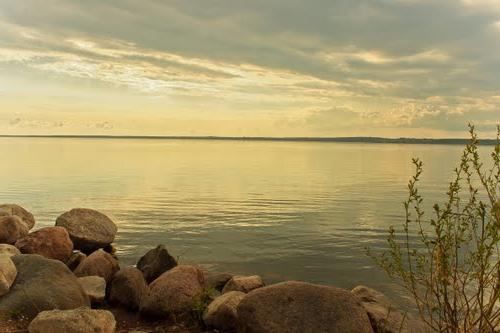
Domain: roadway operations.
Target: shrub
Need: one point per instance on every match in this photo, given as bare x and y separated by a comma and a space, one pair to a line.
452, 270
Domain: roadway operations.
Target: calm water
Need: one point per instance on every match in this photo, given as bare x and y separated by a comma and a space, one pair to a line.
284, 210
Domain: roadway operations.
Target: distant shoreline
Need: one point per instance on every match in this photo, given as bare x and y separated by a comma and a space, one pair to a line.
445, 141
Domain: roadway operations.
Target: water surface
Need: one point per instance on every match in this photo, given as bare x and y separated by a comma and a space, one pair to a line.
284, 210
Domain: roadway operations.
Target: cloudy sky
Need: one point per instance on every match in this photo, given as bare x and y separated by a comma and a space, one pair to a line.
421, 68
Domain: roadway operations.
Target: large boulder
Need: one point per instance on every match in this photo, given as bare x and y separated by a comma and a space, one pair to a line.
99, 263
41, 284
9, 250
243, 283
156, 262
384, 315
222, 313
8, 273
11, 229
297, 307
73, 321
50, 242
16, 210
127, 288
175, 291
94, 287
88, 228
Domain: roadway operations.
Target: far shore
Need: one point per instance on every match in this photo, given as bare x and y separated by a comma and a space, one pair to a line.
358, 139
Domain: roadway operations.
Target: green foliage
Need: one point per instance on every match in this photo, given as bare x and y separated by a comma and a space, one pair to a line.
202, 303
452, 270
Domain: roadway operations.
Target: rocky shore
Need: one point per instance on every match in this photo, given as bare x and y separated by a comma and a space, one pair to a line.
66, 278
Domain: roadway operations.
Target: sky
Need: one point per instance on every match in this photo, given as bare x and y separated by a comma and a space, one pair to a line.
393, 68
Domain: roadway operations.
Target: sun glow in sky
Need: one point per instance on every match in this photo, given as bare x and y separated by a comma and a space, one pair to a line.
421, 68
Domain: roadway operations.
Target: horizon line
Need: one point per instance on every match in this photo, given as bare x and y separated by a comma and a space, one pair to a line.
347, 139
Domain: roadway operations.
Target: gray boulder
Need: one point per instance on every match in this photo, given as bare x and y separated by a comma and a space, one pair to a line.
88, 228
41, 284
216, 281
50, 242
16, 210
94, 287
80, 320
8, 273
174, 292
384, 316
11, 229
243, 283
222, 313
299, 307
99, 263
9, 250
156, 262
127, 288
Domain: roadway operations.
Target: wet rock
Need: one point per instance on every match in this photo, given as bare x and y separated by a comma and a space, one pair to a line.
41, 284
174, 292
216, 281
75, 259
222, 313
88, 228
384, 316
156, 262
11, 229
94, 287
73, 321
297, 307
9, 250
16, 210
243, 283
50, 242
8, 273
99, 263
128, 287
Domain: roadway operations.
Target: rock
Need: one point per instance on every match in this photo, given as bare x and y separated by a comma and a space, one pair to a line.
384, 317
297, 307
75, 259
99, 263
9, 250
11, 229
128, 287
156, 262
73, 321
50, 242
216, 281
243, 283
41, 284
175, 291
88, 228
8, 273
16, 210
94, 287
222, 312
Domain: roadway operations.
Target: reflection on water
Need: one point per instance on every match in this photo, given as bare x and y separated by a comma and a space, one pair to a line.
285, 210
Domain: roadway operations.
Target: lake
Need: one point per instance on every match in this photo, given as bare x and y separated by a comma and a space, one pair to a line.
284, 210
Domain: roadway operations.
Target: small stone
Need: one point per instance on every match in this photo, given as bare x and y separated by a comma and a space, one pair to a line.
50, 242
9, 250
99, 263
243, 283
16, 210
11, 229
80, 320
128, 287
75, 259
222, 313
94, 287
8, 273
216, 281
156, 262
